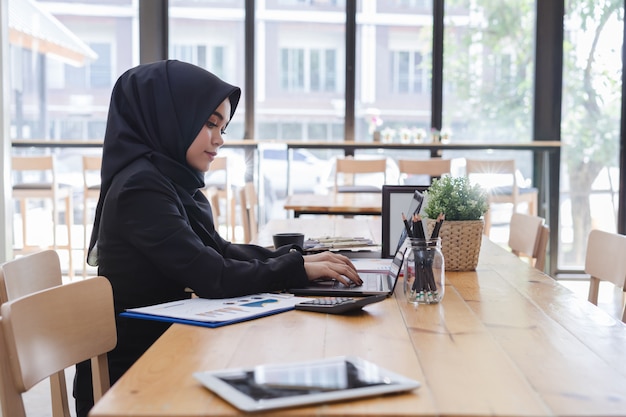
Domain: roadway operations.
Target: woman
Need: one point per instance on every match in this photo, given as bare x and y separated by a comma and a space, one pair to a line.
153, 235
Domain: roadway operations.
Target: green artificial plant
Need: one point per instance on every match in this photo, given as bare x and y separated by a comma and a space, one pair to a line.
457, 198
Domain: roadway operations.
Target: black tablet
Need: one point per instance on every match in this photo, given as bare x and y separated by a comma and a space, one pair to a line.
273, 386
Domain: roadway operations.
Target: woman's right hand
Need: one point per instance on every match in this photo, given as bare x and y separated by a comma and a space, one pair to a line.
331, 266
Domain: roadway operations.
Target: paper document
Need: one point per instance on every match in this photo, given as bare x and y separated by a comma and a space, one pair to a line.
338, 243
217, 312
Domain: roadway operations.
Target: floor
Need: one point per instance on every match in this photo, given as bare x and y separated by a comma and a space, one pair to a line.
37, 400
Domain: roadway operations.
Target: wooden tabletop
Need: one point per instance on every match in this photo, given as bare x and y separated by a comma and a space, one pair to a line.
335, 203
312, 228
506, 340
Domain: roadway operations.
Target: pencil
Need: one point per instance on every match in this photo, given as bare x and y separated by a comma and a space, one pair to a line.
418, 229
437, 227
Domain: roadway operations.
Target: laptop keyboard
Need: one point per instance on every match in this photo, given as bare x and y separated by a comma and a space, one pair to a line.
370, 283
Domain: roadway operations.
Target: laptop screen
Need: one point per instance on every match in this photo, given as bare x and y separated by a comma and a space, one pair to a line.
398, 199
394, 269
414, 208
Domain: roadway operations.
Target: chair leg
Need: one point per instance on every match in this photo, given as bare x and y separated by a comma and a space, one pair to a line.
594, 289
533, 205
233, 219
487, 221
85, 241
69, 220
24, 228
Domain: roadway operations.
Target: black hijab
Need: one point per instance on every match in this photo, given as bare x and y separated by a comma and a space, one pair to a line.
156, 111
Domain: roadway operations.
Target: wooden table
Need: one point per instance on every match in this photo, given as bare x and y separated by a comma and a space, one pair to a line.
507, 340
369, 228
335, 203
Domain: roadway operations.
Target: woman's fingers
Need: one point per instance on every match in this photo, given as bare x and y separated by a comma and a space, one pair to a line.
331, 269
331, 257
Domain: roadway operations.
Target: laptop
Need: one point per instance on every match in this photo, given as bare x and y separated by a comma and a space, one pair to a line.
374, 283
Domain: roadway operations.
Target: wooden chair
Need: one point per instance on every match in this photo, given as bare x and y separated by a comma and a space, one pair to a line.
346, 169
503, 173
433, 168
47, 331
35, 179
224, 192
248, 202
29, 274
528, 237
215, 208
91, 193
605, 261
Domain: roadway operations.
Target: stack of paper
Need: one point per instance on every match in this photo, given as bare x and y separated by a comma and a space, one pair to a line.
338, 243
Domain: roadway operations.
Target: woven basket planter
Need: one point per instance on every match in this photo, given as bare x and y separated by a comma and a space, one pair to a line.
460, 242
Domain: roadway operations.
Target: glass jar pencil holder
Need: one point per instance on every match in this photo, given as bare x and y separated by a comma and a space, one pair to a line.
424, 271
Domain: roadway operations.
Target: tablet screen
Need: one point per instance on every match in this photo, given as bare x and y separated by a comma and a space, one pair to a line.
290, 384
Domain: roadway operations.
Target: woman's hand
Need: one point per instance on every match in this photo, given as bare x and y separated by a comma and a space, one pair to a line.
329, 266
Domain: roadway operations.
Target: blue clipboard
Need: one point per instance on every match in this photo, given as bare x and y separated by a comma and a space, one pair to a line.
216, 312
211, 324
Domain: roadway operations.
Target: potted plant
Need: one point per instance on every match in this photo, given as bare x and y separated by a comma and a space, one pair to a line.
464, 205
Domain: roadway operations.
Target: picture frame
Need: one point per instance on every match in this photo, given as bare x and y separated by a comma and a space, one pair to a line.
397, 199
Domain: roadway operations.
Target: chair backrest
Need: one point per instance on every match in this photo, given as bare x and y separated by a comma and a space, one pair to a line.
214, 199
502, 171
40, 168
220, 163
28, 274
45, 332
347, 168
542, 247
527, 237
605, 261
434, 167
249, 200
91, 171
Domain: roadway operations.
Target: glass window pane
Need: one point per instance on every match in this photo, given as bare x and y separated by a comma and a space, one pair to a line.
590, 124
210, 34
299, 69
488, 73
393, 76
488, 70
61, 92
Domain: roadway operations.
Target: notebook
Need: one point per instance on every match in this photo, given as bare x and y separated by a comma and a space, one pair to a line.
374, 283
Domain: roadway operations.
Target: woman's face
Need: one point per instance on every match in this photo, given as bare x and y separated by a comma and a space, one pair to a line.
204, 148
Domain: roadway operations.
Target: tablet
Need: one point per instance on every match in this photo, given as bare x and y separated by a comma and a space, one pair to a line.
273, 386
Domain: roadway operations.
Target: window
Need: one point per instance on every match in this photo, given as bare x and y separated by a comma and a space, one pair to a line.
311, 70
100, 71
408, 73
292, 70
97, 74
209, 57
489, 89
590, 125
